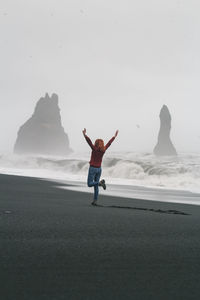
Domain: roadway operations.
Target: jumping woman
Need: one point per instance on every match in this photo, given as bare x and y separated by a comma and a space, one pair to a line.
94, 174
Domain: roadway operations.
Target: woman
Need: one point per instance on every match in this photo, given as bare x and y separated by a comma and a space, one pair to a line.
94, 174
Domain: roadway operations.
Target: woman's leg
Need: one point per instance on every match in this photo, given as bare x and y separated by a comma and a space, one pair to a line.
91, 174
91, 181
96, 186
94, 175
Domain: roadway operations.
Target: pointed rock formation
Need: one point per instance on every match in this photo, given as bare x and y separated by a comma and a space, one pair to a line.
43, 132
164, 145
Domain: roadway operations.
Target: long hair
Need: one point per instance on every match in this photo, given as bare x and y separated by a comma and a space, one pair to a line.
100, 145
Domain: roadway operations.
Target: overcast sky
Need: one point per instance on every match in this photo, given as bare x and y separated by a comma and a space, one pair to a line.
112, 63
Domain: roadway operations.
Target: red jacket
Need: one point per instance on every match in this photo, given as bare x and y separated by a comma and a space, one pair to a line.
97, 155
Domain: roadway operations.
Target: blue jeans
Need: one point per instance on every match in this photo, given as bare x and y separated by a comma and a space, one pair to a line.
94, 175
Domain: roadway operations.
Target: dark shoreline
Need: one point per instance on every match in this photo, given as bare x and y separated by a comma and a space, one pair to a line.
54, 245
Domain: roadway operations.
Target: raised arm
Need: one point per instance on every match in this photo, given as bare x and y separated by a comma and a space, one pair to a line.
88, 140
111, 140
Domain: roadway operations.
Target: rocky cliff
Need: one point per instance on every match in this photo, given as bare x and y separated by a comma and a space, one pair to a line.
43, 132
164, 145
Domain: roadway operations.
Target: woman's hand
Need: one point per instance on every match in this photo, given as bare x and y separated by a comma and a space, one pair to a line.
84, 131
116, 133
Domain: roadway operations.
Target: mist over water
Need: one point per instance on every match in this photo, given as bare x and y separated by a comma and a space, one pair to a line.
111, 61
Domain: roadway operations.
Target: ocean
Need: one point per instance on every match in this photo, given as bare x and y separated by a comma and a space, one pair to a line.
128, 173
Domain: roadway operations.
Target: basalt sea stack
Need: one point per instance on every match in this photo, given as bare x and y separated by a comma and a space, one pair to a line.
164, 145
43, 132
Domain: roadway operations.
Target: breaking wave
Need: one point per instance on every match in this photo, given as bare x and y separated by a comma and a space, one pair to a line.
143, 169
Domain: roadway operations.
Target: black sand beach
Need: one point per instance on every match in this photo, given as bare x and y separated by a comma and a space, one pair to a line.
54, 245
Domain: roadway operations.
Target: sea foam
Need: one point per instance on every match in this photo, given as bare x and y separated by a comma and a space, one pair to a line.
125, 168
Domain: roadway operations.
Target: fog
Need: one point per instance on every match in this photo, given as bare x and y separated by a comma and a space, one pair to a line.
112, 63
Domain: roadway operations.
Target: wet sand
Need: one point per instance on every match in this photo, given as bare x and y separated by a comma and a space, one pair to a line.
54, 245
